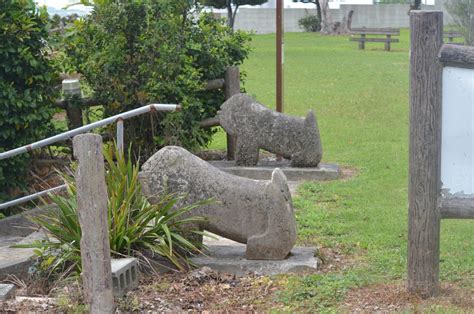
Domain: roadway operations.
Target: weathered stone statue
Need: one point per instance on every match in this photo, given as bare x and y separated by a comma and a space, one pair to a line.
257, 127
258, 213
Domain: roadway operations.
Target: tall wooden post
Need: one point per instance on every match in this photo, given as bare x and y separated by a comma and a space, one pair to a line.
92, 212
425, 152
471, 28
232, 87
280, 56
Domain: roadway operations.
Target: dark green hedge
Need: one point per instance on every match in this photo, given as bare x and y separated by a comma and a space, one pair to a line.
26, 91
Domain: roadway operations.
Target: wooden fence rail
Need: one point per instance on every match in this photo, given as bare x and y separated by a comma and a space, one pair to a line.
457, 56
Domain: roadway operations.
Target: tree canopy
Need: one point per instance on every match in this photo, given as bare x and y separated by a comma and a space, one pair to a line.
232, 6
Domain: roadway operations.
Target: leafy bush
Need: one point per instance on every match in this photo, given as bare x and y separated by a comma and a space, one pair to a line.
134, 53
135, 226
310, 23
26, 92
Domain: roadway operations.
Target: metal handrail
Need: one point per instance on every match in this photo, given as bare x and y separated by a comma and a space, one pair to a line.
66, 135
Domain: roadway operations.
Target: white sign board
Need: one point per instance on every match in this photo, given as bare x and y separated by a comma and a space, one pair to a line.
457, 157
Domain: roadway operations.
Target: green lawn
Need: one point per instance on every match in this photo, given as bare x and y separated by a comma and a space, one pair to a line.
361, 102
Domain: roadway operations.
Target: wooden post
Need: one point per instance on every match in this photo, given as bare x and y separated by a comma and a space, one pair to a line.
425, 152
387, 42
92, 212
362, 42
232, 87
74, 114
280, 59
72, 93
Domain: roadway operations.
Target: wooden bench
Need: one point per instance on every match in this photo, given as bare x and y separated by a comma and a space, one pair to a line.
364, 32
451, 36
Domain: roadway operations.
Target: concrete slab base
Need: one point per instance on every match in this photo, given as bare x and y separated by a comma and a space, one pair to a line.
6, 291
231, 259
17, 261
265, 167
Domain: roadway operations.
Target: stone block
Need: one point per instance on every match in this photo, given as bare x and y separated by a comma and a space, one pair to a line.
6, 291
231, 259
124, 275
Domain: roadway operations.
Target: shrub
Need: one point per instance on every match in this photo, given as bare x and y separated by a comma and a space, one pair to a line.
134, 53
26, 92
135, 226
310, 23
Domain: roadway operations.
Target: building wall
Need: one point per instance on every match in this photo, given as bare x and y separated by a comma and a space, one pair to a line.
262, 21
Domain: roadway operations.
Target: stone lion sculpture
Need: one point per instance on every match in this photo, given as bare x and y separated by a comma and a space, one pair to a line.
257, 213
257, 127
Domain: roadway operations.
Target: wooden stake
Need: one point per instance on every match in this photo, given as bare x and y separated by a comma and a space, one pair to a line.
92, 212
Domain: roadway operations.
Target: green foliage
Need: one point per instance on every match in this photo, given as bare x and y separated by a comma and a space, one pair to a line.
26, 92
136, 53
221, 4
310, 23
461, 11
135, 226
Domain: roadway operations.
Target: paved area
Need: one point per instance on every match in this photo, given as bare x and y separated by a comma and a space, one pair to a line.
16, 261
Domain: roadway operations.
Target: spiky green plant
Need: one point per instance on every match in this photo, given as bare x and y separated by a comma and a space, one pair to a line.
135, 225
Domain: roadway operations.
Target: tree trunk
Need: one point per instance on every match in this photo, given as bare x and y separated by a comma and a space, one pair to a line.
230, 15
328, 26
416, 5
346, 24
326, 18
318, 10
234, 15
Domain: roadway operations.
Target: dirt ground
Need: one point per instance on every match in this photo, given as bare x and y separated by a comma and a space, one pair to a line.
389, 298
196, 291
204, 290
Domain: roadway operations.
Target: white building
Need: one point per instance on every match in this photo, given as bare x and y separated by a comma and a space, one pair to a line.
333, 4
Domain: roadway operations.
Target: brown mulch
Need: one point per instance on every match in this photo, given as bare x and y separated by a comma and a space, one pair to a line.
388, 298
204, 289
200, 290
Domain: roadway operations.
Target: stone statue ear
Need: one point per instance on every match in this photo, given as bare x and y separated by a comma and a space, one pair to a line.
279, 178
310, 120
280, 182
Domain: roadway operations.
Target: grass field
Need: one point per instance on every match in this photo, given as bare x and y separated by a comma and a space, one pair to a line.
361, 102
